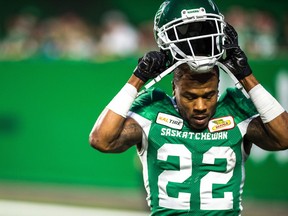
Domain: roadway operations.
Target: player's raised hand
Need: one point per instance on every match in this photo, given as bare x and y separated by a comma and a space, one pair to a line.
236, 60
150, 65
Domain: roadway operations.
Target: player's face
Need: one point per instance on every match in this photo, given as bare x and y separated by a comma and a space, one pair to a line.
196, 99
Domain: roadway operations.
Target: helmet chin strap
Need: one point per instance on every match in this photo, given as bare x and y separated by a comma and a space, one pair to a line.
202, 65
162, 75
235, 80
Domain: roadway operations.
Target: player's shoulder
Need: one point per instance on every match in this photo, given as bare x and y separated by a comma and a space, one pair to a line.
150, 102
150, 96
234, 92
236, 102
233, 95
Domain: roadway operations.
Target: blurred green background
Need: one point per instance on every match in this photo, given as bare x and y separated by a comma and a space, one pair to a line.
49, 103
47, 110
143, 10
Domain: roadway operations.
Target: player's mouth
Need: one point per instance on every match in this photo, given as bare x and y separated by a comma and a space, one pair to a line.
199, 120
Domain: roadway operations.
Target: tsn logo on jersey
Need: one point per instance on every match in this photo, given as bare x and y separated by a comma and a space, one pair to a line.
219, 124
169, 120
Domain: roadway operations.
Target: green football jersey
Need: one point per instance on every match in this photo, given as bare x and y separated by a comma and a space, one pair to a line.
188, 172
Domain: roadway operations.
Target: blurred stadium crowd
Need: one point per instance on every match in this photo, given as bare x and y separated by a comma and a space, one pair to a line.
71, 37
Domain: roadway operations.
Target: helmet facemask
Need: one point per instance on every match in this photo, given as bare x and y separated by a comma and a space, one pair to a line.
196, 38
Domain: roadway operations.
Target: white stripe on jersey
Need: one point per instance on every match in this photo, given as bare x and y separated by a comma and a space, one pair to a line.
142, 153
243, 129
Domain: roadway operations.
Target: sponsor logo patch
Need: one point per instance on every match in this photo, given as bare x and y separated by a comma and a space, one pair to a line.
219, 124
169, 120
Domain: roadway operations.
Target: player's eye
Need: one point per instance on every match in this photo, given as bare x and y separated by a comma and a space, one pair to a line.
210, 95
189, 96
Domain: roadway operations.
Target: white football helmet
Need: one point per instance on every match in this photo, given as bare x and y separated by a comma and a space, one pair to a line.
190, 31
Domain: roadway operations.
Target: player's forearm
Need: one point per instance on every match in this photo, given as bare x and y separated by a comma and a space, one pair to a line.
106, 130
113, 131
136, 82
249, 82
107, 134
278, 131
271, 112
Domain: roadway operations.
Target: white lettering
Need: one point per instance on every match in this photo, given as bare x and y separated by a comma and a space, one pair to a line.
163, 130
168, 132
173, 133
178, 133
191, 134
185, 134
220, 136
196, 136
225, 135
214, 136
204, 135
208, 136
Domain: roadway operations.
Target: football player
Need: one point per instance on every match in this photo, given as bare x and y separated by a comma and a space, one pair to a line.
193, 145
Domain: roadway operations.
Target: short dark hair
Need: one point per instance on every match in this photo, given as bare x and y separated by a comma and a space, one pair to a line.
184, 69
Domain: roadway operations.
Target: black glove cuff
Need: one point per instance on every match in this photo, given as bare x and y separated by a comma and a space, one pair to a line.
245, 71
137, 72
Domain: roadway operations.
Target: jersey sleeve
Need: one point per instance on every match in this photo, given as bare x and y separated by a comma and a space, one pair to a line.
238, 104
148, 103
144, 111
